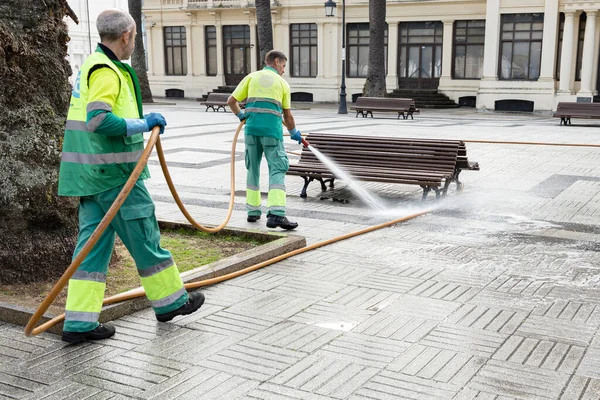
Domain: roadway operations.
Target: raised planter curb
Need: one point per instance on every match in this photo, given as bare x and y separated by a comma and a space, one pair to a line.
283, 243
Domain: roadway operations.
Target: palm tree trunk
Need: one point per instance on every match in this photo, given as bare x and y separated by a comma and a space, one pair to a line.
375, 84
265, 28
138, 58
38, 229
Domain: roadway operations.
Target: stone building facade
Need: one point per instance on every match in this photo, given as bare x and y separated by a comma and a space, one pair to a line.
495, 54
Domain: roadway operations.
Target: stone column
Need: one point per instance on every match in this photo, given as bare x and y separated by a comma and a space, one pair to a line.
596, 66
492, 40
202, 51
159, 55
220, 67
253, 47
566, 60
189, 46
320, 49
447, 49
589, 55
149, 49
549, 41
392, 67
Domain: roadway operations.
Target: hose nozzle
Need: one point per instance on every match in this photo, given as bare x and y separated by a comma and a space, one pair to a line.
305, 143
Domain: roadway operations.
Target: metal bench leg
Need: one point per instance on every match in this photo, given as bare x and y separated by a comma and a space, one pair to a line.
370, 112
459, 185
445, 189
306, 182
561, 121
399, 114
426, 190
411, 116
358, 112
207, 107
323, 186
437, 192
331, 185
569, 119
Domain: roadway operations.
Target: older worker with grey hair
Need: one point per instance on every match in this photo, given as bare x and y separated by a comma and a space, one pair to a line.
102, 144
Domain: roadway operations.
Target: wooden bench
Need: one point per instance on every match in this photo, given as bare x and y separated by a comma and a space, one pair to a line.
216, 101
430, 163
565, 111
366, 105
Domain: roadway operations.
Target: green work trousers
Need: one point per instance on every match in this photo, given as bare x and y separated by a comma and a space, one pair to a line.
136, 225
278, 165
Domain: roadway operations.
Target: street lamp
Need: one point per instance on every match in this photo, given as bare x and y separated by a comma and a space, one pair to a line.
330, 8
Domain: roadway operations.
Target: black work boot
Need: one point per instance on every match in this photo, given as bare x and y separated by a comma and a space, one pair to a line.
275, 221
102, 331
194, 302
253, 218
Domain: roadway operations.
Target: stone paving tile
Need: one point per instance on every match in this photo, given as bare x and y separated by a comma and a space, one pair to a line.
325, 376
269, 391
582, 388
557, 329
307, 288
296, 336
237, 323
205, 384
187, 345
476, 342
449, 291
524, 285
574, 311
507, 301
438, 365
590, 365
363, 298
487, 318
259, 280
421, 307
390, 283
519, 381
253, 360
398, 327
332, 316
363, 349
270, 306
391, 385
560, 357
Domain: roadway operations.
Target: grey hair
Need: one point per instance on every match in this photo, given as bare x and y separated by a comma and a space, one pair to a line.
113, 23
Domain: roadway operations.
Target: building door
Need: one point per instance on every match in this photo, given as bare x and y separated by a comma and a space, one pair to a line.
420, 59
236, 48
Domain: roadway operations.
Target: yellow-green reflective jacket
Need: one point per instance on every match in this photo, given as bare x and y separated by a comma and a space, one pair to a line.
92, 163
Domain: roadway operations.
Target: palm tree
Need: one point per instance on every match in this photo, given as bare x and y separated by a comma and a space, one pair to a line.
38, 229
138, 58
375, 84
265, 28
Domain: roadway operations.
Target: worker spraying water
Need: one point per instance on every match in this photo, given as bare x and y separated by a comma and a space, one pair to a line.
268, 97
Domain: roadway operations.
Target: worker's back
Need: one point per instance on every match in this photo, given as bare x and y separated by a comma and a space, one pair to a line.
267, 94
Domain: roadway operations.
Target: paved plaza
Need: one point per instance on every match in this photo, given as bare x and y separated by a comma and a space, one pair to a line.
494, 294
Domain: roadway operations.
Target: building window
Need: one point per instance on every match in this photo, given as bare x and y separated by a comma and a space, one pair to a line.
304, 49
175, 50
521, 46
469, 41
210, 34
358, 50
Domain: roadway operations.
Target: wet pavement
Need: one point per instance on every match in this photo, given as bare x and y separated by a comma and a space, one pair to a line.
495, 294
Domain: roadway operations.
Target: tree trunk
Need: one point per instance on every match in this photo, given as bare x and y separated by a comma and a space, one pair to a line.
375, 84
38, 229
138, 58
265, 28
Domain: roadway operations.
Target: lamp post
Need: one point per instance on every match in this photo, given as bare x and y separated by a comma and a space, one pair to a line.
330, 8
